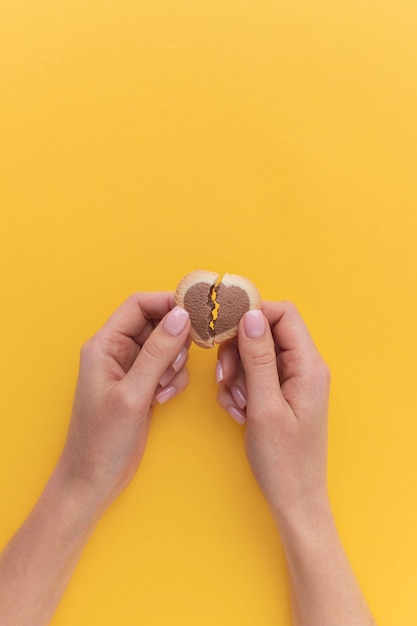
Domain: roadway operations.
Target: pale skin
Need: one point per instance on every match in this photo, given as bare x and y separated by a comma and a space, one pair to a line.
274, 380
271, 379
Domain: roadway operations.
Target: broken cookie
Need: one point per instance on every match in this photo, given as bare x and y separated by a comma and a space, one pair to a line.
215, 304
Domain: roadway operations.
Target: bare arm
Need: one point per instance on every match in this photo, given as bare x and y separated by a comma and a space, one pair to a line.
323, 587
126, 368
274, 380
37, 564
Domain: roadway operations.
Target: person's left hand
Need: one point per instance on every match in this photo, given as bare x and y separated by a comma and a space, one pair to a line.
135, 361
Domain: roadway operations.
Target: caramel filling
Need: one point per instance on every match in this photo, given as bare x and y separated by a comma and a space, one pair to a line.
215, 309
216, 305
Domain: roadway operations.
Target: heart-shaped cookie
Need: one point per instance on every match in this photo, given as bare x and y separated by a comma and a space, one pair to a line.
215, 304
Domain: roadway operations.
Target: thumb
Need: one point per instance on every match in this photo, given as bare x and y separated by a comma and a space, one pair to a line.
257, 352
158, 352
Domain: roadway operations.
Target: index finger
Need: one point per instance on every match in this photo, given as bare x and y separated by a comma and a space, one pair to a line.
138, 311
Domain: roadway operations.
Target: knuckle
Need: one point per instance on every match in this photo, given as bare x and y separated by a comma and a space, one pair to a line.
90, 346
322, 372
184, 376
289, 306
327, 374
291, 310
133, 300
154, 348
223, 397
133, 297
182, 380
263, 359
85, 349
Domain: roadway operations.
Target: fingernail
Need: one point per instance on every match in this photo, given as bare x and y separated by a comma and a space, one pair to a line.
166, 394
166, 376
239, 397
237, 414
176, 321
219, 372
254, 322
180, 360
175, 367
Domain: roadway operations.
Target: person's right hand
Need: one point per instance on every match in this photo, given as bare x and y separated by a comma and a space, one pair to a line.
273, 378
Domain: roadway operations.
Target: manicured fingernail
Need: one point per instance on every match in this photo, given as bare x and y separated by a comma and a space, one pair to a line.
254, 322
176, 321
166, 394
180, 360
219, 372
175, 367
237, 414
166, 376
238, 396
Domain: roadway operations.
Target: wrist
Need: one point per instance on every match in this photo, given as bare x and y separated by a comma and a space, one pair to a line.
309, 537
309, 517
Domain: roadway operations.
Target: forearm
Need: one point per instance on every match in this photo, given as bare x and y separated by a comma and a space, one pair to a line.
37, 563
324, 591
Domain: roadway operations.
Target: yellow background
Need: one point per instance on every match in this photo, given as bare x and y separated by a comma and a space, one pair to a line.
141, 140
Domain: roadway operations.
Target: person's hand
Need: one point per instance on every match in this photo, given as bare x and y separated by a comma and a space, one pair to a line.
273, 378
135, 361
